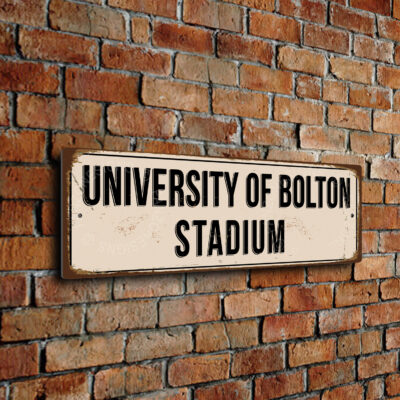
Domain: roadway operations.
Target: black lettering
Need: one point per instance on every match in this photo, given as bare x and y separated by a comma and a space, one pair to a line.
285, 196
332, 192
182, 251
86, 185
176, 187
157, 186
264, 189
214, 241
344, 192
231, 186
112, 185
127, 179
216, 175
298, 191
309, 204
232, 248
257, 249
192, 200
252, 183
141, 190
320, 180
276, 240
199, 235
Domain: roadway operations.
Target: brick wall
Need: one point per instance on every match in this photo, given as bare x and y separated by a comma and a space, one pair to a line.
303, 80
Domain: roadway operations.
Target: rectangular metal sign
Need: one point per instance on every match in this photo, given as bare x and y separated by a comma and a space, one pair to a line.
136, 213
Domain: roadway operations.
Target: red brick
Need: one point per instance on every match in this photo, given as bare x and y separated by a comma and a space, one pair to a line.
369, 242
16, 217
389, 242
327, 38
322, 138
291, 155
143, 378
33, 323
165, 8
340, 320
305, 298
25, 146
350, 70
266, 5
50, 218
54, 46
134, 314
178, 95
109, 383
392, 338
101, 86
285, 327
266, 133
190, 370
40, 112
396, 147
72, 385
329, 375
352, 20
189, 310
209, 129
299, 111
389, 28
305, 9
354, 392
384, 313
83, 352
279, 385
374, 389
212, 14
28, 77
258, 360
244, 104
204, 282
4, 109
192, 68
153, 146
18, 361
135, 59
386, 122
222, 72
251, 304
396, 9
375, 6
372, 97
389, 77
335, 91
242, 333
301, 60
349, 117
167, 394
372, 192
158, 344
265, 79
349, 345
390, 289
329, 274
86, 19
23, 253
116, 143
373, 49
229, 390
211, 338
181, 37
276, 277
273, 26
370, 143
311, 352
376, 365
393, 384
396, 101
375, 217
346, 159
14, 290
7, 46
51, 290
374, 268
83, 116
73, 140
392, 195
140, 30
371, 342
308, 87
24, 12
229, 152
133, 121
352, 293
240, 48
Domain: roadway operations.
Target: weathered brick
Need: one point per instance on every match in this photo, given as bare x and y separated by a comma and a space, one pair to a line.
190, 370
305, 298
375, 6
240, 48
190, 67
266, 5
369, 242
135, 59
386, 122
374, 389
251, 304
72, 385
328, 274
352, 20
352, 293
222, 72
50, 218
340, 320
181, 37
7, 46
388, 76
384, 313
291, 155
84, 352
285, 327
273, 26
242, 333
14, 290
374, 268
73, 140
178, 95
372, 192
376, 365
54, 46
124, 315
301, 60
4, 109
276, 277
215, 15
389, 28
229, 390
140, 29
17, 361
87, 19
189, 310
23, 253
166, 394
204, 282
335, 91
354, 392
244, 104
109, 383
51, 290
155, 146
211, 337
305, 9
133, 121
349, 345
350, 70
392, 195
327, 38
311, 352
116, 143
308, 87
371, 342
373, 49
329, 375
349, 117
265, 79
279, 385
229, 152
210, 129
369, 143
16, 217
299, 111
143, 378
83, 116
390, 289
392, 383
367, 96
158, 344
33, 323
258, 360
24, 12
166, 8
101, 86
313, 137
346, 159
389, 242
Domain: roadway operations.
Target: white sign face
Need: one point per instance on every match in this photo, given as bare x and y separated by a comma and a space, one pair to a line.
144, 213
